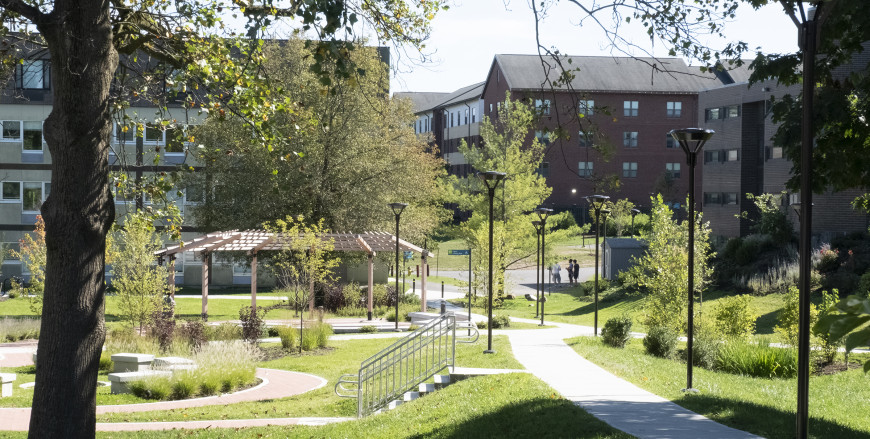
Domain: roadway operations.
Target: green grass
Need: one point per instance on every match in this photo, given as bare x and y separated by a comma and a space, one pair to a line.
343, 357
838, 403
512, 405
24, 397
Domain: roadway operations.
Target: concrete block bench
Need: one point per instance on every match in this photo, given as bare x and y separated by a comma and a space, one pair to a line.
127, 362
6, 380
120, 380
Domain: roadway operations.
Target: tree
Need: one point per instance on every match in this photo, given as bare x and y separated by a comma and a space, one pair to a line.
85, 41
771, 220
662, 272
32, 252
357, 153
304, 261
140, 283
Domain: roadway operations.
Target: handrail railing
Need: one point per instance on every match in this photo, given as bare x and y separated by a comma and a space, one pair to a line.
402, 366
466, 332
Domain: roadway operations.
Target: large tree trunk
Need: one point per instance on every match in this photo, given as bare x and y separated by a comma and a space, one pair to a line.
78, 214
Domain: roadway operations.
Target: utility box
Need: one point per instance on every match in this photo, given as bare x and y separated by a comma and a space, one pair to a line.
619, 254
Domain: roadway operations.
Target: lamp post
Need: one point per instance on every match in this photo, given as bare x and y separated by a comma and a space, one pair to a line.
597, 202
691, 140
604, 213
543, 213
397, 211
538, 263
491, 179
634, 213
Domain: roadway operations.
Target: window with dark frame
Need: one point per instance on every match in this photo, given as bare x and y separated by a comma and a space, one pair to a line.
629, 139
673, 170
33, 75
630, 108
629, 169
585, 169
674, 109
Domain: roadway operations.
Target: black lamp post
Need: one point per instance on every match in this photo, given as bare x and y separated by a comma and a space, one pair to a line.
543, 213
491, 179
634, 213
397, 211
597, 202
538, 263
691, 140
604, 213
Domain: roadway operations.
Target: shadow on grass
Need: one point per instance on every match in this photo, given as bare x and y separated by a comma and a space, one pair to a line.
763, 420
765, 323
589, 308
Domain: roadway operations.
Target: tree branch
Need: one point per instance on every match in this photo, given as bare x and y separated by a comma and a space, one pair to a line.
29, 12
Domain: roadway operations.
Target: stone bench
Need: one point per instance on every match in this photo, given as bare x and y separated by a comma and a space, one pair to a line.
6, 380
127, 362
120, 380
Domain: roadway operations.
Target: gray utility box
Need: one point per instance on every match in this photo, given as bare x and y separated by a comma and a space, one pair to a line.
619, 254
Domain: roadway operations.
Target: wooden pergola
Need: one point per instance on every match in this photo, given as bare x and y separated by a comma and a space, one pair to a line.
254, 241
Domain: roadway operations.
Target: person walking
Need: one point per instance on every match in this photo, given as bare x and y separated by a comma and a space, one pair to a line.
576, 272
571, 271
557, 273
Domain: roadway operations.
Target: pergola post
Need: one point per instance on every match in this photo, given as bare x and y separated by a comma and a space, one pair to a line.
254, 280
370, 296
423, 267
170, 279
206, 266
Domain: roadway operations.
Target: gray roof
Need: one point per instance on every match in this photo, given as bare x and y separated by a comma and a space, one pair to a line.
607, 73
421, 101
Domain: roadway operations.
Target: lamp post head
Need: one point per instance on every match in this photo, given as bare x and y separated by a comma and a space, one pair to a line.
605, 212
691, 140
491, 176
543, 213
398, 207
634, 212
537, 225
597, 201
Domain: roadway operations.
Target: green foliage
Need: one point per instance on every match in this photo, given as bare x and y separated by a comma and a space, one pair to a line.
864, 285
139, 283
501, 321
32, 253
829, 344
735, 317
224, 331
661, 341
289, 337
850, 321
788, 317
705, 349
662, 271
368, 329
757, 359
253, 325
772, 219
617, 331
315, 335
14, 329
106, 363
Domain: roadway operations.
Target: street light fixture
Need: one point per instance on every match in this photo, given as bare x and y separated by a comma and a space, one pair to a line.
491, 179
543, 213
397, 211
539, 263
634, 213
597, 202
691, 140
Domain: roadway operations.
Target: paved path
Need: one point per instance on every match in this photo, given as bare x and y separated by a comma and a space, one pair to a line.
609, 398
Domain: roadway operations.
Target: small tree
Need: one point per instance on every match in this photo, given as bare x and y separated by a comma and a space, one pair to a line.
32, 254
788, 317
304, 260
830, 343
849, 322
735, 318
139, 282
772, 220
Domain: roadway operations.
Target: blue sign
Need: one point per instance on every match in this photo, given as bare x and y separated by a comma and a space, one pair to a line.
459, 252
409, 254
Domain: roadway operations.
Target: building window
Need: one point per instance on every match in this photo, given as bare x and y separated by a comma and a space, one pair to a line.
671, 142
125, 133
733, 155
473, 114
33, 75
32, 136
629, 108
174, 140
584, 139
673, 170
675, 109
629, 139
542, 106
11, 192
732, 111
451, 120
490, 108
543, 169
712, 114
11, 130
466, 117
584, 169
712, 198
153, 133
774, 152
194, 194
586, 108
543, 137
629, 169
32, 196
729, 198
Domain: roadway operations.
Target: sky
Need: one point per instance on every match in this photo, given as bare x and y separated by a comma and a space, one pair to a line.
466, 37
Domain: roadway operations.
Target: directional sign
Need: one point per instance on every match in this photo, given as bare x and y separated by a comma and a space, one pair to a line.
409, 254
458, 252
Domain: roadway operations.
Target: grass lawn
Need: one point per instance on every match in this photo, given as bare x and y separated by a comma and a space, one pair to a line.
513, 405
838, 403
24, 397
343, 357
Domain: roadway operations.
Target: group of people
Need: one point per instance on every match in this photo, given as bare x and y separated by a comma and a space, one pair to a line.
573, 271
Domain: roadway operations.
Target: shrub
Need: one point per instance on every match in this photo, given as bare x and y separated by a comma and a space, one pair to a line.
661, 341
787, 318
827, 260
390, 312
183, 385
829, 345
154, 387
193, 332
756, 359
315, 335
288, 336
163, 329
368, 329
224, 331
734, 317
106, 363
380, 295
617, 331
501, 321
413, 327
864, 285
351, 311
705, 349
253, 325
481, 324
335, 298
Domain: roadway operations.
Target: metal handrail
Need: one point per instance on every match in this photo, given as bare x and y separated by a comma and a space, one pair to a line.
470, 336
402, 366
